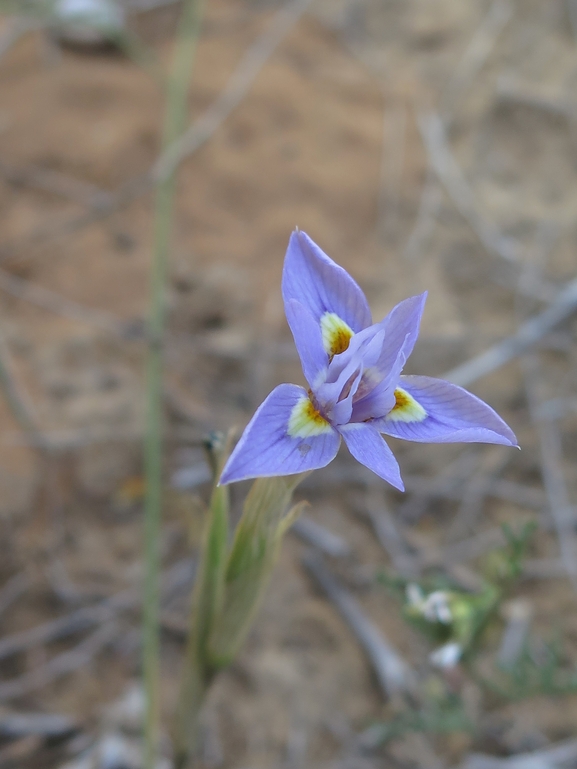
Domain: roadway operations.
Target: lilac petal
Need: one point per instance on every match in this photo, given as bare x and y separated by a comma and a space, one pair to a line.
308, 340
370, 449
362, 346
401, 328
314, 280
266, 448
341, 412
336, 398
375, 395
447, 414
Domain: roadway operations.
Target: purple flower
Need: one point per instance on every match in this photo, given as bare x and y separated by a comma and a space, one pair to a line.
356, 390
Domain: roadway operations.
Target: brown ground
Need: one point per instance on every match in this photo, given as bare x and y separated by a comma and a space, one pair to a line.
326, 139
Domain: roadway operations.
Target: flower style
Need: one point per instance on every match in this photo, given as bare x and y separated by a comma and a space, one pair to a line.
356, 390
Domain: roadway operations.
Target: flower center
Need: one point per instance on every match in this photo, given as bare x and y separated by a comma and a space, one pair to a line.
336, 333
306, 420
406, 408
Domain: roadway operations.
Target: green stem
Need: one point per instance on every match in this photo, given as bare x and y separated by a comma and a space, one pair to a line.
175, 122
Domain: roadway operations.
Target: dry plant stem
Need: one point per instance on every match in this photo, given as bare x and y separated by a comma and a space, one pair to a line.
474, 58
395, 677
528, 334
175, 121
63, 663
564, 754
477, 53
321, 538
12, 590
16, 401
235, 90
176, 578
451, 176
562, 512
58, 304
13, 31
200, 131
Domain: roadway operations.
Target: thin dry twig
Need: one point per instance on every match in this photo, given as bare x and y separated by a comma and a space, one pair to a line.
544, 568
563, 754
476, 491
519, 614
245, 74
16, 725
429, 207
17, 28
12, 590
476, 54
528, 334
511, 91
470, 64
394, 139
87, 616
57, 183
451, 176
389, 531
17, 399
394, 675
562, 512
78, 657
56, 303
321, 538
449, 482
472, 547
140, 6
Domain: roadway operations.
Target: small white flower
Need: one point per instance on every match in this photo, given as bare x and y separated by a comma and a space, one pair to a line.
436, 608
414, 594
446, 656
433, 607
94, 13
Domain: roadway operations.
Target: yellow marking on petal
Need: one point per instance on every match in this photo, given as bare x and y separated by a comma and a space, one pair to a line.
336, 333
305, 421
406, 408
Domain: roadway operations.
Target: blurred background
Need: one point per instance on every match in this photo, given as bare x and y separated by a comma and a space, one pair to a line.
424, 144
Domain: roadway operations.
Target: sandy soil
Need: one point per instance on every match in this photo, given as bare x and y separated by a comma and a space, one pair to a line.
327, 139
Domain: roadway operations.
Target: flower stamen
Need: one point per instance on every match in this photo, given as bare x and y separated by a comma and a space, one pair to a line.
336, 334
306, 420
406, 408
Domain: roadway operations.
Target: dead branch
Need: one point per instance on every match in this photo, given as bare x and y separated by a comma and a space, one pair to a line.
57, 183
68, 661
562, 512
56, 303
555, 757
17, 725
519, 615
321, 538
17, 399
87, 616
451, 176
394, 675
476, 54
250, 65
12, 590
528, 334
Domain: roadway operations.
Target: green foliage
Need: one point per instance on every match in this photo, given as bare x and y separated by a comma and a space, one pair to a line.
539, 670
446, 613
443, 717
249, 564
230, 584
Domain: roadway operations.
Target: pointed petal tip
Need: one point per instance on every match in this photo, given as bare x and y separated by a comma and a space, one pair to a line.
274, 444
452, 415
